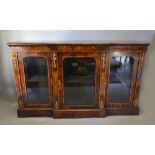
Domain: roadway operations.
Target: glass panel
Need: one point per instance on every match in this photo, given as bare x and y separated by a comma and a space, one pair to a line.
36, 80
120, 78
79, 81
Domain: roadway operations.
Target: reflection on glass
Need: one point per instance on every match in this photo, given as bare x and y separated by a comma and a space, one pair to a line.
36, 80
79, 81
120, 79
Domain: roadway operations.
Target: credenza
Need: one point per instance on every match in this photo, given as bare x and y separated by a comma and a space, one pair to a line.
75, 80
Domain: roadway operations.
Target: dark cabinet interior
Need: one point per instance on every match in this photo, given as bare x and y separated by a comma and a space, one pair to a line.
36, 78
121, 68
77, 80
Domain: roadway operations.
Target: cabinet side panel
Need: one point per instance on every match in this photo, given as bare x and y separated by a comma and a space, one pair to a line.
133, 80
17, 79
139, 75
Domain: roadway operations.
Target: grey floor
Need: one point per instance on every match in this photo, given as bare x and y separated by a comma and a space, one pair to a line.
8, 116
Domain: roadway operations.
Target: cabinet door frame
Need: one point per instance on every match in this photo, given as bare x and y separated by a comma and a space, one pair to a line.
61, 57
47, 57
130, 102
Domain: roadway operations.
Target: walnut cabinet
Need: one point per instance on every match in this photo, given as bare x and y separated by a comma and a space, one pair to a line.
65, 80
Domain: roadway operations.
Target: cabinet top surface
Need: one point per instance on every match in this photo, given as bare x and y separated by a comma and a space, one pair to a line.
78, 43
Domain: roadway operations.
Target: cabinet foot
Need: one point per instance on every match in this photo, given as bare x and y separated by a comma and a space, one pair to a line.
81, 113
122, 111
76, 113
27, 112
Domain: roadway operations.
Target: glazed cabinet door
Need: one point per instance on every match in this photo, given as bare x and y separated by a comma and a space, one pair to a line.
121, 78
36, 79
79, 80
